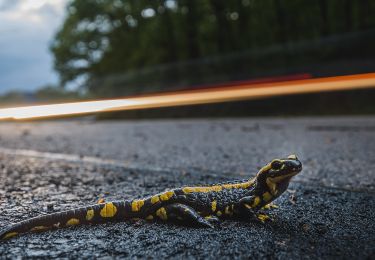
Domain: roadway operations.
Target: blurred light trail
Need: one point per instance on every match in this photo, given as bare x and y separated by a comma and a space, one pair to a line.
192, 97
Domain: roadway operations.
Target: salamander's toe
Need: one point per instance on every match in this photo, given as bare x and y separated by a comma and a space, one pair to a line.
212, 219
205, 223
263, 218
270, 206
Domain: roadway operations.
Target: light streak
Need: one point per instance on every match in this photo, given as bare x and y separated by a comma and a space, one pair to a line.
193, 97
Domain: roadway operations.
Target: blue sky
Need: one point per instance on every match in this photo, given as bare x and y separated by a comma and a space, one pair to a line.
26, 29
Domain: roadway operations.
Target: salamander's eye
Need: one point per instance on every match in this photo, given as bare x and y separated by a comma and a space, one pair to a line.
276, 165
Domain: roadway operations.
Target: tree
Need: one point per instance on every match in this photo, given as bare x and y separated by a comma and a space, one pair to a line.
118, 47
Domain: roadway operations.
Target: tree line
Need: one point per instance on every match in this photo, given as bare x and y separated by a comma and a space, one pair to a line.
118, 47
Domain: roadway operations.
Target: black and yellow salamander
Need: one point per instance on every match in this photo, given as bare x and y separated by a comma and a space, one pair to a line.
195, 205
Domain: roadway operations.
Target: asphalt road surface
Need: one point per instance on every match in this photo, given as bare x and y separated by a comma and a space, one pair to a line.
327, 212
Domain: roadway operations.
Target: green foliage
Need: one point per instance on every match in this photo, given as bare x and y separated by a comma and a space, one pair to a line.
136, 46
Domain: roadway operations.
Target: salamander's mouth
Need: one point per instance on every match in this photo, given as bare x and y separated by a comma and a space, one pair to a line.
283, 177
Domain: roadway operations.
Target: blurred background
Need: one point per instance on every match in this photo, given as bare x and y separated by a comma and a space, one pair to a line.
70, 50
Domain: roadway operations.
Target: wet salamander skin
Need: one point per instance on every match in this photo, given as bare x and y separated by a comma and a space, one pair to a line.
195, 205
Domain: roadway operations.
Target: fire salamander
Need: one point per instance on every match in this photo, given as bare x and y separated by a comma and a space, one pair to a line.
196, 205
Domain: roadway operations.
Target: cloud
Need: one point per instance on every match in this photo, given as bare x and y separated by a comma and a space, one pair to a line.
6, 5
27, 27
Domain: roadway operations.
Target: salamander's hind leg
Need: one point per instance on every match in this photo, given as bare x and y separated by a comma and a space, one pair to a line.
186, 215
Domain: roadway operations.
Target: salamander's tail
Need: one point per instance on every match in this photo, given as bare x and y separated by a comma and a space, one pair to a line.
99, 213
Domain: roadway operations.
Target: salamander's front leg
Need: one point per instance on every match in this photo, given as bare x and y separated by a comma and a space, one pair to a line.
186, 215
248, 207
270, 206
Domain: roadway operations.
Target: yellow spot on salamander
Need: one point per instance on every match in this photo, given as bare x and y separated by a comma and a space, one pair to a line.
137, 205
10, 234
264, 169
263, 217
167, 195
101, 201
227, 210
255, 202
202, 189
273, 206
149, 217
218, 213
188, 189
162, 213
213, 206
243, 185
72, 222
89, 214
217, 188
267, 196
271, 185
155, 199
270, 206
108, 211
38, 228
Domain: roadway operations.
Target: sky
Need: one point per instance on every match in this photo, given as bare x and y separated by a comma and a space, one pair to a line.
27, 28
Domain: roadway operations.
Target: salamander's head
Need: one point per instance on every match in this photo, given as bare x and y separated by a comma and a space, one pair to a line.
276, 175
